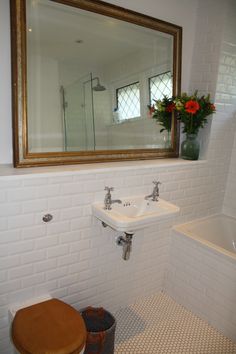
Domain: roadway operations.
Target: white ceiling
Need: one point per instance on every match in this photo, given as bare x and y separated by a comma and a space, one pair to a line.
55, 28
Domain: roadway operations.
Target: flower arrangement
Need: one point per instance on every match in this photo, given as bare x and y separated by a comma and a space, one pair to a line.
192, 111
162, 112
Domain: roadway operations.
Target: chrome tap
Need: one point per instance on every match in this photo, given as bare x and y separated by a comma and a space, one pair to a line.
108, 201
155, 193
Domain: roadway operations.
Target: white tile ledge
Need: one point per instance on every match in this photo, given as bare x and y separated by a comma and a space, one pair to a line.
10, 172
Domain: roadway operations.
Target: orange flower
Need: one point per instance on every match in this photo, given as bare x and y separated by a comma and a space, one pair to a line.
192, 106
170, 107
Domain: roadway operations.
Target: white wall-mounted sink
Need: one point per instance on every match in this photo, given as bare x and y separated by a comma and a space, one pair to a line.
134, 213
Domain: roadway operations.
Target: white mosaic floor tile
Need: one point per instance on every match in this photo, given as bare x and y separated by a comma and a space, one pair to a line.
158, 325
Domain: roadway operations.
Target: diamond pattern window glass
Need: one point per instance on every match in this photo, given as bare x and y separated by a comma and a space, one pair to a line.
128, 101
160, 86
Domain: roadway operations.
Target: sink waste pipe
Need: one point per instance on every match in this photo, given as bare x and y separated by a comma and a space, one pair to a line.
126, 243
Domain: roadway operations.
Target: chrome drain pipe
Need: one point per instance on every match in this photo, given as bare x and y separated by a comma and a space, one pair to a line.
126, 243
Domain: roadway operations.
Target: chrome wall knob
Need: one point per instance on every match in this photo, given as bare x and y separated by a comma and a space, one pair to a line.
47, 218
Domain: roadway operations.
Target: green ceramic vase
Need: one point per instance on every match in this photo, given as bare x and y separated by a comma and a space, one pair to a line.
190, 147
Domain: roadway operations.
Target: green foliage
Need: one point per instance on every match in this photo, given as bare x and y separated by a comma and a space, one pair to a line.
162, 115
192, 111
192, 122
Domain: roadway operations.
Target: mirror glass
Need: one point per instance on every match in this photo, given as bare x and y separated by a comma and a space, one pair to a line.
84, 76
90, 79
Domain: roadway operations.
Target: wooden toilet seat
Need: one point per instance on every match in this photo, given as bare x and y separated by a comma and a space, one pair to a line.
49, 327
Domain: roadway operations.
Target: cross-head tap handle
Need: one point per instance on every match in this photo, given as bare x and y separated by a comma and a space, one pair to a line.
109, 189
156, 183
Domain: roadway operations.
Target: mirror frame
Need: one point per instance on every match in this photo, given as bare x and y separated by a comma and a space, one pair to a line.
22, 156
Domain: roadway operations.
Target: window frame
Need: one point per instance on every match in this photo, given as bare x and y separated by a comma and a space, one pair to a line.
149, 83
117, 101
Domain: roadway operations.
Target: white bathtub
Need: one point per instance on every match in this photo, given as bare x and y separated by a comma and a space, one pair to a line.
217, 232
202, 270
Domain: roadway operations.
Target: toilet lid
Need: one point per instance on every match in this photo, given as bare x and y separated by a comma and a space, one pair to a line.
49, 327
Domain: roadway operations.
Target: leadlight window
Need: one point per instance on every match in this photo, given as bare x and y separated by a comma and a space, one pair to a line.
128, 101
160, 86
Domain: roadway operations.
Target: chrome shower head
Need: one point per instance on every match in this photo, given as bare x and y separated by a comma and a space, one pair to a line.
99, 87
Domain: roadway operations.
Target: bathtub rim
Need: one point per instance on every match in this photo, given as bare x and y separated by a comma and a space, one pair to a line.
180, 229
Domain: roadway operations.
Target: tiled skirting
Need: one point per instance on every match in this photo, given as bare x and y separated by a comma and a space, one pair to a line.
158, 325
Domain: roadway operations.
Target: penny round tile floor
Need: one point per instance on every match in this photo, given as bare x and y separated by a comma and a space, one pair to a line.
159, 325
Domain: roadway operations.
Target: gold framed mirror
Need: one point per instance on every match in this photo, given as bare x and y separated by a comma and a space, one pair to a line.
83, 75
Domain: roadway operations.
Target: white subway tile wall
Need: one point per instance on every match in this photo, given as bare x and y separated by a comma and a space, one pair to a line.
74, 258
229, 206
227, 87
203, 282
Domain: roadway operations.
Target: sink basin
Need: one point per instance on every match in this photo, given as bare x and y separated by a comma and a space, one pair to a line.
134, 213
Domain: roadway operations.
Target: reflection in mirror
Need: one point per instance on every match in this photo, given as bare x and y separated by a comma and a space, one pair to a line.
83, 75
90, 79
